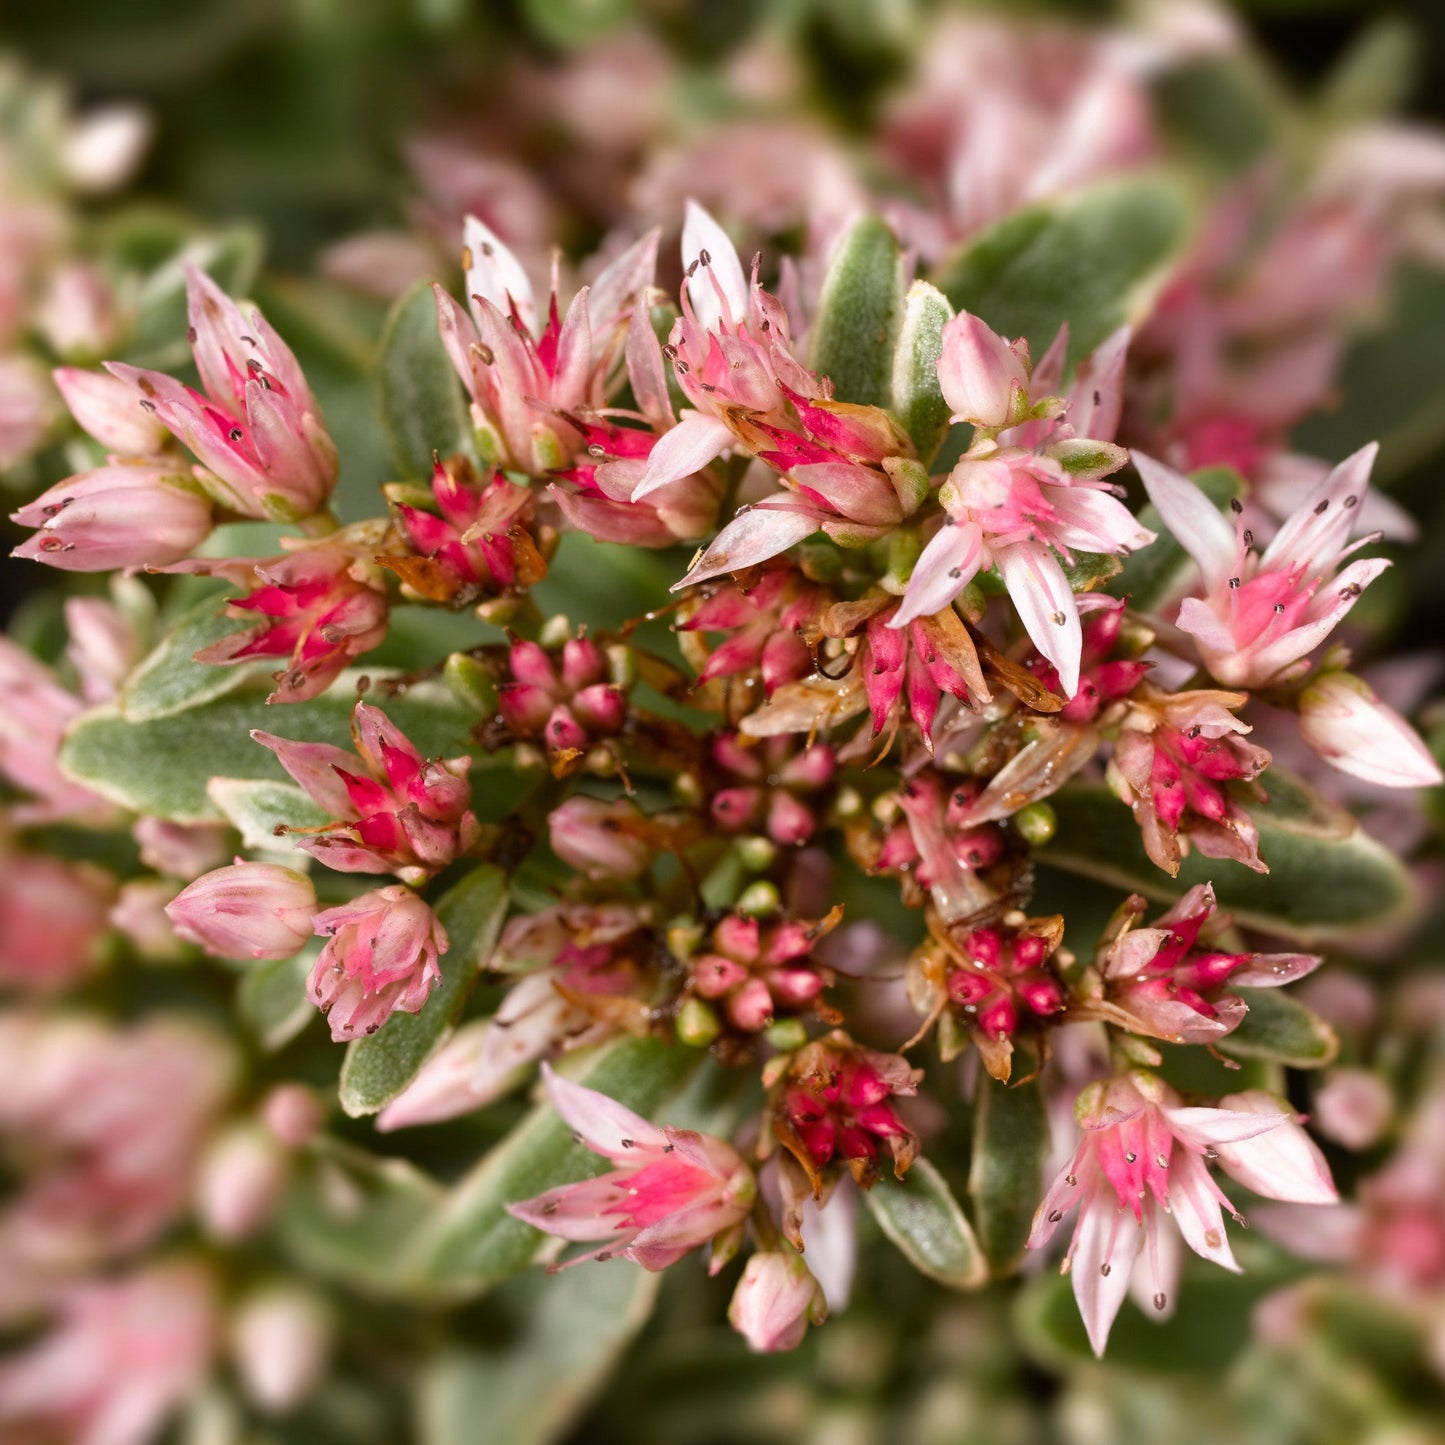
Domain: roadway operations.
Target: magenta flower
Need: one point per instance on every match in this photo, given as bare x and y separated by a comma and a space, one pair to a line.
256, 429
565, 700
123, 515
320, 609
401, 813
672, 1190
771, 786
1142, 1159
775, 1301
246, 910
1262, 613
1165, 980
755, 971
381, 955
1343, 720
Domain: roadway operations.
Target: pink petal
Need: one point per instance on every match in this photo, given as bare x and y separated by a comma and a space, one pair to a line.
751, 537
721, 283
603, 1123
694, 442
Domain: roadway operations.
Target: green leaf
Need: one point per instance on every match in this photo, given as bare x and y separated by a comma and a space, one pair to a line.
1095, 260
1226, 109
1327, 878
377, 1069
272, 997
347, 1214
1375, 75
422, 408
1282, 1030
564, 1333
1160, 573
917, 398
1090, 570
168, 680
163, 765
471, 1243
257, 808
859, 314
1005, 1178
921, 1216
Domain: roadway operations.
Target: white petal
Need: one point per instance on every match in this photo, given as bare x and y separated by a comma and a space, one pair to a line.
1284, 1164
1192, 519
603, 1123
694, 442
751, 537
1194, 1203
944, 568
496, 274
1046, 606
723, 273
1107, 1239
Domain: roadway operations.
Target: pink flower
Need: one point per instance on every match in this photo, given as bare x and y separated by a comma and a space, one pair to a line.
106, 408
400, 813
563, 698
122, 515
1174, 757
1167, 982
256, 429
321, 608
246, 910
123, 1356
1262, 613
1344, 721
775, 1301
767, 785
281, 1339
526, 373
983, 377
381, 955
53, 915
180, 850
672, 1190
601, 840
758, 972
103, 646
1142, 1159
239, 1181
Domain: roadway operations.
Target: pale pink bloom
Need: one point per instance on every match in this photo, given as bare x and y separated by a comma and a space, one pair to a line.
776, 1300
672, 1190
28, 407
103, 646
1142, 1158
442, 1088
602, 840
76, 314
526, 372
984, 378
1353, 1107
384, 264
1261, 614
102, 148
181, 850
122, 1357
123, 515
1013, 506
240, 1178
33, 721
381, 954
1343, 719
400, 813
830, 1239
53, 915
257, 429
294, 1114
281, 1337
246, 910
139, 913
1167, 981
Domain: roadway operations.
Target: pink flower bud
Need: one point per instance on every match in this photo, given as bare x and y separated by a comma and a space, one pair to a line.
239, 1182
140, 914
293, 1113
281, 1342
179, 850
103, 646
600, 839
1344, 721
115, 516
76, 315
983, 378
110, 411
1353, 1107
246, 910
52, 915
775, 1301
381, 956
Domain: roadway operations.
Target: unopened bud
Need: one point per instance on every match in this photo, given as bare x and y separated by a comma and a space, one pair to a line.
697, 1024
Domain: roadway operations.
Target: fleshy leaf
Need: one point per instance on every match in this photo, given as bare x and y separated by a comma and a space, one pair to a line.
1005, 1177
859, 314
917, 398
1279, 1028
271, 998
921, 1216
168, 679
256, 808
377, 1069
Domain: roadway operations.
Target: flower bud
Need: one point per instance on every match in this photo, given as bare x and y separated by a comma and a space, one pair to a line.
280, 1340
293, 1113
1343, 720
599, 839
982, 377
246, 910
140, 914
775, 1301
1353, 1107
115, 516
239, 1182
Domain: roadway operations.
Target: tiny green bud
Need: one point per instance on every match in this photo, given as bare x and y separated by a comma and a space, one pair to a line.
471, 683
1036, 822
687, 789
621, 666
684, 937
786, 1035
554, 631
757, 853
759, 899
697, 1024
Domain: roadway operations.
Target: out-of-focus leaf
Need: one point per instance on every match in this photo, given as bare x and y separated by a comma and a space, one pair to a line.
855, 331
348, 1213
471, 1243
168, 680
256, 808
921, 1216
1090, 570
1227, 109
570, 23
422, 408
272, 997
1160, 573
377, 1069
1005, 1177
162, 766
1095, 260
1375, 75
1327, 877
1282, 1030
565, 1332
917, 398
